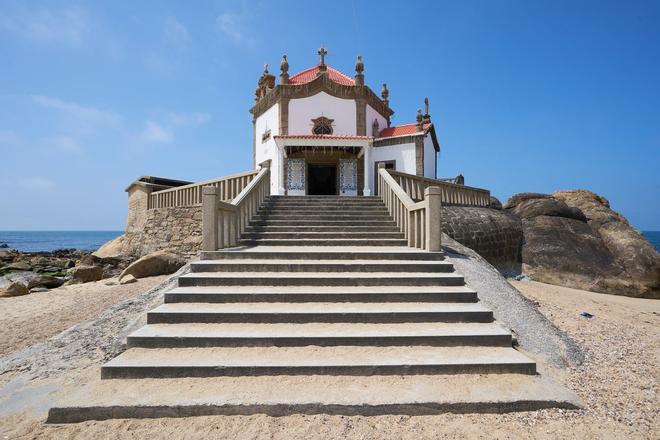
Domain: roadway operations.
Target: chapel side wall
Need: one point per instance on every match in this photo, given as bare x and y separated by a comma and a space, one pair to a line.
371, 115
303, 110
177, 230
430, 158
403, 154
265, 150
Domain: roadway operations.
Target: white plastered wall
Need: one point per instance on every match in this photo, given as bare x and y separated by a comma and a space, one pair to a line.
429, 157
303, 110
403, 154
269, 120
372, 114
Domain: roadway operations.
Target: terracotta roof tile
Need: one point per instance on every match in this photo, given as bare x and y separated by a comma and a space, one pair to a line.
310, 74
401, 130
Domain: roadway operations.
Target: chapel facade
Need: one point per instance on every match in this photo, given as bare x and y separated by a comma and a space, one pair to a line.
326, 133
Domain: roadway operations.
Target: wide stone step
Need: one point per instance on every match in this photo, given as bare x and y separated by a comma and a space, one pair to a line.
320, 228
325, 394
321, 235
313, 360
325, 253
306, 294
321, 334
322, 242
311, 207
320, 279
323, 198
316, 222
322, 214
259, 265
176, 313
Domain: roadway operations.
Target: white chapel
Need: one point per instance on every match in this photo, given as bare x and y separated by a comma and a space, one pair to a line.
325, 132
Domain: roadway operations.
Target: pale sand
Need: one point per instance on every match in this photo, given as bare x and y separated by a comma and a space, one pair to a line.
618, 382
26, 320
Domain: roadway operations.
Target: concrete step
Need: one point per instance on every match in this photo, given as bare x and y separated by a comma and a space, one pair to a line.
342, 208
321, 235
320, 228
325, 394
320, 279
323, 198
290, 265
322, 214
305, 294
316, 222
322, 334
176, 313
326, 253
268, 361
323, 242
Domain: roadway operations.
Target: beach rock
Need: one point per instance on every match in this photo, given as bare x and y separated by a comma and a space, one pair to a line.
495, 203
4, 245
155, 263
112, 248
86, 274
534, 207
31, 279
127, 279
39, 289
18, 265
13, 288
517, 199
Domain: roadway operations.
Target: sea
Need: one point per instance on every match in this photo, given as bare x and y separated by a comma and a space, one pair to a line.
38, 241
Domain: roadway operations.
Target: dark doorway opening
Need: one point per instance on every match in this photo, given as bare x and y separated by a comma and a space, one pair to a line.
322, 180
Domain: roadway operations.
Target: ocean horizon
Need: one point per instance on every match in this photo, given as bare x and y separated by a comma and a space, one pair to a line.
48, 241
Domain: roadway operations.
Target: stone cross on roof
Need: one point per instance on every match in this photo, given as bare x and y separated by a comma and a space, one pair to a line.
322, 53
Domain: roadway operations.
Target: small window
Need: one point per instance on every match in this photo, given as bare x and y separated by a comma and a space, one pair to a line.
265, 135
322, 125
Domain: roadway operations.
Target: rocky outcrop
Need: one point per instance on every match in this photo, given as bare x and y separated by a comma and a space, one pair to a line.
112, 249
494, 234
32, 279
156, 263
12, 288
86, 274
573, 238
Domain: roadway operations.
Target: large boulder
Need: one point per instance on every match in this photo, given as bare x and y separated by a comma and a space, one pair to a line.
12, 288
18, 265
32, 279
112, 248
86, 274
574, 239
155, 263
628, 246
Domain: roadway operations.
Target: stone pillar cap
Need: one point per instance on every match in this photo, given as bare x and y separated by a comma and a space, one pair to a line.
433, 190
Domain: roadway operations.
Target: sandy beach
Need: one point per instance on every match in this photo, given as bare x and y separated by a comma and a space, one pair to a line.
618, 381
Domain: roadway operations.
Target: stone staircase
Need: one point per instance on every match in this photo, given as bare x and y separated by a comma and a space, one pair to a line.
321, 288
314, 277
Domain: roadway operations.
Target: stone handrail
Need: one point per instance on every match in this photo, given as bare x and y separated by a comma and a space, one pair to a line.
223, 222
420, 222
191, 195
450, 193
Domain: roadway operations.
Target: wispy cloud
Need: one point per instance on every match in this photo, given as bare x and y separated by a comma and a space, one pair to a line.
83, 113
35, 183
235, 26
175, 32
66, 26
189, 119
156, 133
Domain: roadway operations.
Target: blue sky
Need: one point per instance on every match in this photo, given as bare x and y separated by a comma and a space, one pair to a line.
525, 95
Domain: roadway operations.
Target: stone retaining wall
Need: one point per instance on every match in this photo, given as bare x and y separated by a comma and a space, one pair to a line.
495, 235
178, 230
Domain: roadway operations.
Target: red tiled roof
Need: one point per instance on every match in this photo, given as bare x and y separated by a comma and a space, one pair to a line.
310, 74
401, 130
320, 136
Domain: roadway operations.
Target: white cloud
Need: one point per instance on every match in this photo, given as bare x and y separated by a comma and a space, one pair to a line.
66, 26
186, 119
156, 133
86, 114
36, 183
234, 26
175, 32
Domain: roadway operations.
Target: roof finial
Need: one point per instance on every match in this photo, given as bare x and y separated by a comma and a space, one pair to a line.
420, 119
322, 53
359, 69
284, 70
384, 93
265, 69
427, 115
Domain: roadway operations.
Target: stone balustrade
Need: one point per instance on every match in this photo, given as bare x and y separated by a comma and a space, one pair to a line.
223, 222
450, 193
227, 188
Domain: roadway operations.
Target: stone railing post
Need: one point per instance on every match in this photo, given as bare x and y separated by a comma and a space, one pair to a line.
433, 198
209, 218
